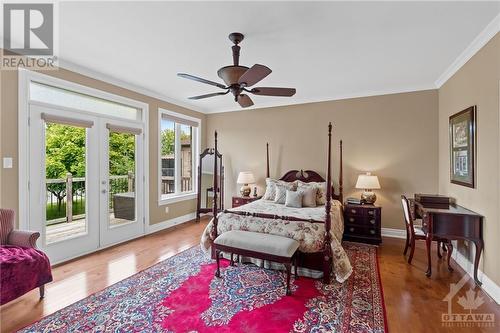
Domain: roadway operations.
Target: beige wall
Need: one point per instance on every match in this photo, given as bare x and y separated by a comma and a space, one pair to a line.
9, 143
394, 136
477, 83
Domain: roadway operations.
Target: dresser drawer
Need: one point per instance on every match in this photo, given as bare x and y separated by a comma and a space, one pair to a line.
357, 230
354, 211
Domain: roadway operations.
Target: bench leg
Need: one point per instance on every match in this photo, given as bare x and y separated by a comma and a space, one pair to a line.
232, 259
217, 258
288, 273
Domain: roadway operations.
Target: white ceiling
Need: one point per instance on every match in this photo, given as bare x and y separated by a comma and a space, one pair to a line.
327, 50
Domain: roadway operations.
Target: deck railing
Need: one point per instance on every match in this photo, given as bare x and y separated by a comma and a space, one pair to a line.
59, 190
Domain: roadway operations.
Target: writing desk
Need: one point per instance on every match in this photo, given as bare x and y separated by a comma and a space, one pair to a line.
453, 223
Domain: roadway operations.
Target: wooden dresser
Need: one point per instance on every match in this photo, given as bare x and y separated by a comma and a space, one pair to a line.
362, 223
239, 201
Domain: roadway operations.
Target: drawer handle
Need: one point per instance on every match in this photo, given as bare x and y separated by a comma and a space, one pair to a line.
372, 221
237, 201
351, 229
352, 219
353, 211
372, 232
371, 212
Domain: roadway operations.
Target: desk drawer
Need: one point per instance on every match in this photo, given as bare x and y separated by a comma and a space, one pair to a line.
353, 211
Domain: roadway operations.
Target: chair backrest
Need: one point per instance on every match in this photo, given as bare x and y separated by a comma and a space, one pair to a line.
406, 210
6, 224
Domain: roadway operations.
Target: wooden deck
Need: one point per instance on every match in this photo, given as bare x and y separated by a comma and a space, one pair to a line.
62, 231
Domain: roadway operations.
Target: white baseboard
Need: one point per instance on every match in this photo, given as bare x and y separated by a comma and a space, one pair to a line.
170, 223
490, 287
394, 233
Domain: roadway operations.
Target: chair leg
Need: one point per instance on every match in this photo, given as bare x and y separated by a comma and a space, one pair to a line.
439, 250
449, 249
407, 244
288, 273
217, 259
295, 268
42, 291
412, 250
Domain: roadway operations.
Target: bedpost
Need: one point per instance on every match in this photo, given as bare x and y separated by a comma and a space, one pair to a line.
327, 248
341, 177
267, 159
214, 210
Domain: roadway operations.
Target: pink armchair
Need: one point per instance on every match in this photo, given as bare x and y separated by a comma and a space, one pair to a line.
22, 266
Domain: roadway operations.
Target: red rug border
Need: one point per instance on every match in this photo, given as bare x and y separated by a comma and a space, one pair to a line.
386, 326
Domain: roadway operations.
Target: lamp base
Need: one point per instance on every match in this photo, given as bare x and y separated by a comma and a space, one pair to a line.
368, 197
245, 190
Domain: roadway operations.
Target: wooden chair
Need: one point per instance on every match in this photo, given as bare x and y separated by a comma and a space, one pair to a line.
416, 232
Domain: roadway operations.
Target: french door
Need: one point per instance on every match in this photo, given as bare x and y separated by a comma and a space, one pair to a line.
86, 187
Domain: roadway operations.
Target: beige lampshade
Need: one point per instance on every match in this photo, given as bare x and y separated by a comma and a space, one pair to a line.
246, 177
367, 182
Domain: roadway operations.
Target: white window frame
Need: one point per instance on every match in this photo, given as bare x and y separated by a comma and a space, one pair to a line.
25, 77
165, 199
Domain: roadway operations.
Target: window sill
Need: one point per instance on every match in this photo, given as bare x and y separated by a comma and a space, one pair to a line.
166, 199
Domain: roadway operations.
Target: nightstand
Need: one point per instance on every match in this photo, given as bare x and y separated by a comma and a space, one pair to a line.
362, 223
239, 201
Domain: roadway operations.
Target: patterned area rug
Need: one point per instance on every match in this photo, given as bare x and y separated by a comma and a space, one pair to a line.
181, 294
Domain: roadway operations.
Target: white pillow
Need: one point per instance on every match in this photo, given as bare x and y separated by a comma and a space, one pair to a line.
293, 199
281, 192
271, 184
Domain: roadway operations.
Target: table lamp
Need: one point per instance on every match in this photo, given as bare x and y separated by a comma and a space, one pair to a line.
245, 178
368, 182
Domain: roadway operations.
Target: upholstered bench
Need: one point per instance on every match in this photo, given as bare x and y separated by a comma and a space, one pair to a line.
260, 246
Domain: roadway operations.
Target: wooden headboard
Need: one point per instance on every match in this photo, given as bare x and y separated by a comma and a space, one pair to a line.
308, 176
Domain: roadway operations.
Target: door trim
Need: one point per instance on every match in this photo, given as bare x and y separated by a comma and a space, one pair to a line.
24, 78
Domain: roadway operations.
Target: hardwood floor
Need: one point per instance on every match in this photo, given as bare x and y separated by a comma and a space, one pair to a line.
414, 303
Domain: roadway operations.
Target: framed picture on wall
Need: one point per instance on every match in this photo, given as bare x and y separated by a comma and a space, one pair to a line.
462, 147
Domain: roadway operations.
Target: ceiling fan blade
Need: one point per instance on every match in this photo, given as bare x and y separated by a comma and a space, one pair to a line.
208, 95
254, 74
199, 79
271, 91
244, 101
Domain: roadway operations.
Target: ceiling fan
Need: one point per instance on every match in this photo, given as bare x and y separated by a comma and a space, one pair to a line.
239, 78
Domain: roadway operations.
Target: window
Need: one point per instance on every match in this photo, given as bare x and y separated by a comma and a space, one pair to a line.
41, 92
178, 147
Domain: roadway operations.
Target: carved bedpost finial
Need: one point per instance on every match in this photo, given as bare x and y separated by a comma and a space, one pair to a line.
341, 176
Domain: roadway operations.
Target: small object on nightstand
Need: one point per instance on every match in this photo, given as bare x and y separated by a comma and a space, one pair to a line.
245, 178
255, 191
368, 182
354, 201
239, 201
362, 223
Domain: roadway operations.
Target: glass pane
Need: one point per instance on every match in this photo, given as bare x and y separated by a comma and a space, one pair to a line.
186, 158
121, 187
65, 169
57, 96
167, 157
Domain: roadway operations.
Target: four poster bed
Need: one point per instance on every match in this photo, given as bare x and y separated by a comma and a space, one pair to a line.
318, 229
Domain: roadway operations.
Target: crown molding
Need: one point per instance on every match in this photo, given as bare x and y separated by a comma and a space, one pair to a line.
126, 85
481, 40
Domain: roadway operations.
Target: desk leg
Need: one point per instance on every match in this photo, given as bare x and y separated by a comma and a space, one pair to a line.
479, 248
428, 242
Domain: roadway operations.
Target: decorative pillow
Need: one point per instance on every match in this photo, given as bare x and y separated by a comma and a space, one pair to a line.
281, 192
320, 193
293, 199
270, 189
271, 184
309, 196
